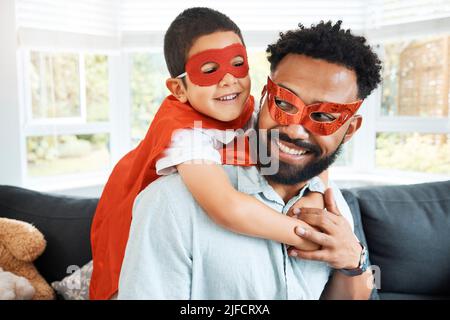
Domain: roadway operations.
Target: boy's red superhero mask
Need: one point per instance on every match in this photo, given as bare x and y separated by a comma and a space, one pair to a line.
286, 108
223, 58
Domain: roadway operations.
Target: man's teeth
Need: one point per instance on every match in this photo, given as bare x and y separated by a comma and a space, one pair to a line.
288, 150
229, 97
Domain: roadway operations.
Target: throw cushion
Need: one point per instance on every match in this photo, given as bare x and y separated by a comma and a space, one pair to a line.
75, 286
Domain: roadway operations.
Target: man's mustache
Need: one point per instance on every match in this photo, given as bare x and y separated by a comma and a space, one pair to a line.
299, 143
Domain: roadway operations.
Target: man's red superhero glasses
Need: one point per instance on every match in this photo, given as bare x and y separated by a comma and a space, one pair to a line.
231, 59
322, 118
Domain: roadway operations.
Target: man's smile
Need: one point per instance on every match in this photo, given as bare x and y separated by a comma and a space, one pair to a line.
289, 152
289, 148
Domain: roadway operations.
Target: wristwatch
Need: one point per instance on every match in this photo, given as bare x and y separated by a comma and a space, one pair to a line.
362, 266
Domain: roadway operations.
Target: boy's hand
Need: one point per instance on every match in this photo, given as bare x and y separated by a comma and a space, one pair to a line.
311, 200
305, 245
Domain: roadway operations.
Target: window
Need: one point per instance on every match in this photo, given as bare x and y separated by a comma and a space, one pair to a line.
80, 111
412, 128
55, 89
416, 78
419, 152
259, 71
53, 155
148, 74
67, 120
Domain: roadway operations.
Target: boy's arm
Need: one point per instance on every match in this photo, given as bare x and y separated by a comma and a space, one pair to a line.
236, 211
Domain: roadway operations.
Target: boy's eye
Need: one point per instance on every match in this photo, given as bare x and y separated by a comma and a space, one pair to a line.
323, 117
209, 67
237, 61
285, 106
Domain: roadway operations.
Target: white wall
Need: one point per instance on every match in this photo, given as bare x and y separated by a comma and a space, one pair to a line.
10, 136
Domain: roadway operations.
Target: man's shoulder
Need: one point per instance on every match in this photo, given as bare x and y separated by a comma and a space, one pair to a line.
164, 190
164, 201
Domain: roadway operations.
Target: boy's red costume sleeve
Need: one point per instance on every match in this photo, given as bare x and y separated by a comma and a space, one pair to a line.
133, 173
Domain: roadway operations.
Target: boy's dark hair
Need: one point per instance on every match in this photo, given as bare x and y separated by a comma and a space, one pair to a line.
189, 25
333, 44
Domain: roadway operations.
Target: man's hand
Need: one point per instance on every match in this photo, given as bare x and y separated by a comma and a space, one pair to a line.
339, 246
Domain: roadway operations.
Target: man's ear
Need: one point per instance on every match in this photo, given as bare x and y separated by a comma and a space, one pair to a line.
355, 124
176, 87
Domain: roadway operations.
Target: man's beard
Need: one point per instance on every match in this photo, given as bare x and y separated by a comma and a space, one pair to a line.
291, 174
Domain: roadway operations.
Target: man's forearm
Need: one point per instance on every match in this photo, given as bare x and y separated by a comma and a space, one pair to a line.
342, 287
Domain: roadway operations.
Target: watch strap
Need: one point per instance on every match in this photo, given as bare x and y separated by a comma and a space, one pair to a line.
362, 266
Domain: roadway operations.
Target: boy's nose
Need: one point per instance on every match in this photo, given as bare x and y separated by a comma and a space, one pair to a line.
228, 79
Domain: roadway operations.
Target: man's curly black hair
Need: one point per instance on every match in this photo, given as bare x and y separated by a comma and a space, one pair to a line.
329, 42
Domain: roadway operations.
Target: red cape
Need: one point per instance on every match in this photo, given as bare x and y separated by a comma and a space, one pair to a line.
133, 173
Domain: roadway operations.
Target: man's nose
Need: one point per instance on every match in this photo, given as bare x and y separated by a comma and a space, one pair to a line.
228, 79
297, 131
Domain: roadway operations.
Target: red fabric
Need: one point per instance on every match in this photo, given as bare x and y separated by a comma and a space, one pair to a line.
223, 58
304, 112
135, 171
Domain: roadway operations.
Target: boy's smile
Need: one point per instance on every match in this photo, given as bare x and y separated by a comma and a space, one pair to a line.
228, 98
225, 100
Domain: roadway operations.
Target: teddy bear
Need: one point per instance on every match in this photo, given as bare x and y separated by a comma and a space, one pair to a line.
13, 287
21, 244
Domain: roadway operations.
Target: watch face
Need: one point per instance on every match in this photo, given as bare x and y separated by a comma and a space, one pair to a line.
364, 262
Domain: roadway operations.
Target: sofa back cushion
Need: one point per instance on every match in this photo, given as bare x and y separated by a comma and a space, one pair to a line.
64, 221
353, 204
408, 234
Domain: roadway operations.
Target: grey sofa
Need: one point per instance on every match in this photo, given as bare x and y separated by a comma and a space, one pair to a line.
406, 229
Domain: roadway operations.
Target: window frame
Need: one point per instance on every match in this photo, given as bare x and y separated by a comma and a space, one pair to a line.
73, 125
405, 124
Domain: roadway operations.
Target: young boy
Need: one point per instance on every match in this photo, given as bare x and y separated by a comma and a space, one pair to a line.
209, 82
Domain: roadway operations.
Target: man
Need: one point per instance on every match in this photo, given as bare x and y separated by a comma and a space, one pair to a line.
175, 251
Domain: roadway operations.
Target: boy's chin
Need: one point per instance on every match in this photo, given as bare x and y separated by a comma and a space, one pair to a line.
229, 116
